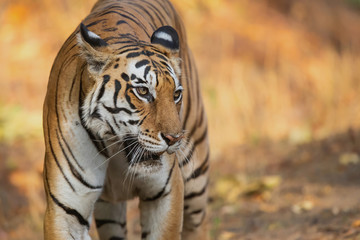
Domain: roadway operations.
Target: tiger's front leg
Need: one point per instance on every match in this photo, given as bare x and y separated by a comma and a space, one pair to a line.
161, 215
73, 179
69, 205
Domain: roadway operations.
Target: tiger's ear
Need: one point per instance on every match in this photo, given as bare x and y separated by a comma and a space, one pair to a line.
94, 50
167, 40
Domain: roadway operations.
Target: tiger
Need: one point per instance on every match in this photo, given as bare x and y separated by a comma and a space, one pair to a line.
124, 118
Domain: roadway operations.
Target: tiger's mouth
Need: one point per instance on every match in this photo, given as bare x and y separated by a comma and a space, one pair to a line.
137, 154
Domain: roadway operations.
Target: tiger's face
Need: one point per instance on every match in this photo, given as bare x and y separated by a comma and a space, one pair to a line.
136, 98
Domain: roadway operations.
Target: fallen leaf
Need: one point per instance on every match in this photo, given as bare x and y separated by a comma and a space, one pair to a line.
229, 188
262, 185
303, 206
226, 235
356, 223
349, 158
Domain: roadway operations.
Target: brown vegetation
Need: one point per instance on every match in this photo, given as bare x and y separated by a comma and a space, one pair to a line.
281, 84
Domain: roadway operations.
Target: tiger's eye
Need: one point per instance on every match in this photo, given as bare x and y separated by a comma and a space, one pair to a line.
177, 94
142, 91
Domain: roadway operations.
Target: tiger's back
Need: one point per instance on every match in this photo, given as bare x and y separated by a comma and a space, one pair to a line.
101, 102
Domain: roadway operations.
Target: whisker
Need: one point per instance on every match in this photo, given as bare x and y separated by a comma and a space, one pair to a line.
97, 154
136, 159
97, 140
114, 155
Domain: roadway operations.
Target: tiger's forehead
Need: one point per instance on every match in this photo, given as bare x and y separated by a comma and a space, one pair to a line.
142, 72
148, 71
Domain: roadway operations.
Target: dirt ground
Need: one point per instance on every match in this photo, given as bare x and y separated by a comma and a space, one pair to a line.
259, 191
316, 194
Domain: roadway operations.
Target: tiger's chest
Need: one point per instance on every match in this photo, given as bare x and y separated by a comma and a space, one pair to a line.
146, 182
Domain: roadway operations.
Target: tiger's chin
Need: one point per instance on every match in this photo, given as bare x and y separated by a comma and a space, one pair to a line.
146, 167
140, 159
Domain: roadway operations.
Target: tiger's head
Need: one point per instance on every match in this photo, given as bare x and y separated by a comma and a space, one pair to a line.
133, 95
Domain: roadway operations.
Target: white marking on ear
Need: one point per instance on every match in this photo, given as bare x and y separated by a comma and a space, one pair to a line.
93, 35
164, 36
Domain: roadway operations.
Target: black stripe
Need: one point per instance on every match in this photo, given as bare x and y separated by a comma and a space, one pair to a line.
197, 211
171, 10
156, 12
160, 193
72, 236
95, 22
111, 128
133, 122
68, 210
132, 19
141, 63
121, 37
201, 220
128, 50
147, 53
70, 59
100, 222
90, 134
117, 89
133, 54
188, 103
202, 138
114, 120
136, 9
117, 110
116, 238
188, 157
123, 42
138, 80
57, 161
111, 29
120, 22
142, 120
72, 87
144, 234
161, 56
127, 97
197, 142
198, 125
73, 170
196, 194
96, 114
201, 169
136, 20
152, 20
166, 194
166, 64
90, 105
102, 89
125, 77
147, 69
64, 140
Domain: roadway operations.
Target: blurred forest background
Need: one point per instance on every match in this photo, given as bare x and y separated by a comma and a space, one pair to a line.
281, 84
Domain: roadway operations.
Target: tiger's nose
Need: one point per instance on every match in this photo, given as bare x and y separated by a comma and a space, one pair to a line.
171, 139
